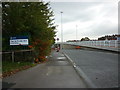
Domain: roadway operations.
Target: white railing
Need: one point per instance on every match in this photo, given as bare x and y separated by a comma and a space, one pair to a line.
105, 43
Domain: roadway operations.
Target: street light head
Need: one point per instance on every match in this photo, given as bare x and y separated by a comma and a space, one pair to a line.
61, 12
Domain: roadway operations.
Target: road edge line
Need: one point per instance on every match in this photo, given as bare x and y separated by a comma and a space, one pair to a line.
81, 73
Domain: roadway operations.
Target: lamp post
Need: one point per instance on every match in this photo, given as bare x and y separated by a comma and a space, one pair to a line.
61, 31
76, 33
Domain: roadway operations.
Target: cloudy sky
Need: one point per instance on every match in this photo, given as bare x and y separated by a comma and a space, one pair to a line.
89, 18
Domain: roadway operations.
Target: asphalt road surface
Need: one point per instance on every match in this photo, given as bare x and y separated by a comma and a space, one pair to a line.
58, 72
99, 66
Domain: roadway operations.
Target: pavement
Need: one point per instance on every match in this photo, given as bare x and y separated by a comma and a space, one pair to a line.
58, 72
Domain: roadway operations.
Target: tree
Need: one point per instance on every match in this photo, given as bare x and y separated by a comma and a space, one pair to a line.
85, 39
34, 19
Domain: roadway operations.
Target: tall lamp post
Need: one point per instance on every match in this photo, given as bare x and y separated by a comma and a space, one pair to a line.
61, 31
76, 32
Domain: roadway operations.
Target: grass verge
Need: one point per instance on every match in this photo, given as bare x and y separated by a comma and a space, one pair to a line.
9, 68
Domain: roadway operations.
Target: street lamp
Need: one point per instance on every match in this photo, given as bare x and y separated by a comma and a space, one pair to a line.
76, 32
61, 28
61, 31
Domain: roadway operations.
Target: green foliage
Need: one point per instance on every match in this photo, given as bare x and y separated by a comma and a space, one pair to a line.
85, 39
9, 66
33, 18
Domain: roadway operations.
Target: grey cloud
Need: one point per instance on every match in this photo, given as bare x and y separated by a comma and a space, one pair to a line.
73, 11
84, 12
102, 29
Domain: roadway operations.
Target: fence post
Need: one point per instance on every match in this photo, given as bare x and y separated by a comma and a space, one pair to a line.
104, 43
100, 44
116, 44
109, 43
12, 56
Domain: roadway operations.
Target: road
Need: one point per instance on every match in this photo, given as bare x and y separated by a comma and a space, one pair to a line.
99, 66
58, 72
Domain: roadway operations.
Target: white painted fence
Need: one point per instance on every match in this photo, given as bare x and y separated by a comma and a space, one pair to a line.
105, 43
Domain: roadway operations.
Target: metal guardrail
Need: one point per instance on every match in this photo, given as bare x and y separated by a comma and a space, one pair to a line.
106, 43
111, 45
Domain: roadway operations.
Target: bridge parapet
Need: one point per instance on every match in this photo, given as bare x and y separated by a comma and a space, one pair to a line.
106, 44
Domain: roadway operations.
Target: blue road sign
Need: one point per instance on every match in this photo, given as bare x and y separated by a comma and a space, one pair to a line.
19, 40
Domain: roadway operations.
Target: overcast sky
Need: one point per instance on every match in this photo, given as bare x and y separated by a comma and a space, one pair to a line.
94, 19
